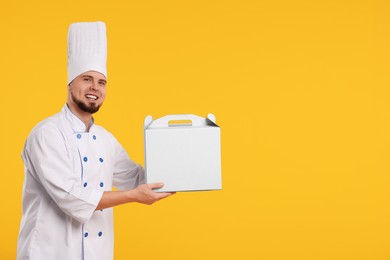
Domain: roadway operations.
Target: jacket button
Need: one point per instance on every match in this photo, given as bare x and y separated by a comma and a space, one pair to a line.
101, 184
78, 136
94, 137
100, 234
86, 234
85, 159
101, 159
85, 184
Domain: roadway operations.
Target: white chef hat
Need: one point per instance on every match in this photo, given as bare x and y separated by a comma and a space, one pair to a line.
87, 48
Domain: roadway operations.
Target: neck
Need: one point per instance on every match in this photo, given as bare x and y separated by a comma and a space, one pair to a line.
85, 117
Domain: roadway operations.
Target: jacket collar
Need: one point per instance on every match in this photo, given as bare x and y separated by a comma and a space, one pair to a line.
75, 123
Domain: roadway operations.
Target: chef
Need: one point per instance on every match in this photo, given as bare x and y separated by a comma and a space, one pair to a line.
71, 165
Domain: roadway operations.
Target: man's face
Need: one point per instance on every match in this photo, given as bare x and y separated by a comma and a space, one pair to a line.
87, 92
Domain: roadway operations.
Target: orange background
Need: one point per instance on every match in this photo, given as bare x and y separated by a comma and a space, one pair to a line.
299, 88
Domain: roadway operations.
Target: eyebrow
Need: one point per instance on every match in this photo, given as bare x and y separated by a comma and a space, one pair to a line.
89, 76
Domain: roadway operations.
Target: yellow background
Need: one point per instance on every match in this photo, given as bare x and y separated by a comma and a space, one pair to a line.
299, 88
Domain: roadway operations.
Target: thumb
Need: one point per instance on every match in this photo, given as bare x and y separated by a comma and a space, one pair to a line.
156, 185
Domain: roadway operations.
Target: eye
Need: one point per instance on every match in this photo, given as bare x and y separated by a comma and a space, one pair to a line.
87, 79
102, 83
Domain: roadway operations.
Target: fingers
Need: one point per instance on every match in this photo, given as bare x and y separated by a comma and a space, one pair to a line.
163, 195
155, 185
158, 195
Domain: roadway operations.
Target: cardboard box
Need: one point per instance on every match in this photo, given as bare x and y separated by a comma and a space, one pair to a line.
183, 152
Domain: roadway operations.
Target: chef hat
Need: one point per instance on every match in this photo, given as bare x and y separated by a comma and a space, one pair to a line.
87, 48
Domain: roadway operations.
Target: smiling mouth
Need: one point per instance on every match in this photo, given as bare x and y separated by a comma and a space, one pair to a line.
91, 97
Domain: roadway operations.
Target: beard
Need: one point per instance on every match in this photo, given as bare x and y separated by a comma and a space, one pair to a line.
89, 108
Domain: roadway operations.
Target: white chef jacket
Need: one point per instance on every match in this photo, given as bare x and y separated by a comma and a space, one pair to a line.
66, 172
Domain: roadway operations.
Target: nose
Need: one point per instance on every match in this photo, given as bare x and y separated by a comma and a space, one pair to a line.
94, 86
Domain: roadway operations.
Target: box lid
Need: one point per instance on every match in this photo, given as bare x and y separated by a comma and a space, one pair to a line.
180, 120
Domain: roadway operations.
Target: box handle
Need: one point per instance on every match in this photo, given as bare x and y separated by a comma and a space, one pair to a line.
164, 121
182, 122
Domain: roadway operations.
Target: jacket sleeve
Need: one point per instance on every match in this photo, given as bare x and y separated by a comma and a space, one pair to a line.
49, 162
127, 174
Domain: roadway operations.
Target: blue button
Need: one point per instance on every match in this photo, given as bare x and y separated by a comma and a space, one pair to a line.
85, 159
85, 184
94, 137
100, 234
86, 234
101, 159
101, 184
78, 136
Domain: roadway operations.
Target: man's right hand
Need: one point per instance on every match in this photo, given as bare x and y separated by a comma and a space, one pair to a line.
144, 193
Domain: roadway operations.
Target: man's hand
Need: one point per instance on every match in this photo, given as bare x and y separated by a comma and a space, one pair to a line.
144, 193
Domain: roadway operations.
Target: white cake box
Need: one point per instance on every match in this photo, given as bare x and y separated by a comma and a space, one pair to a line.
183, 152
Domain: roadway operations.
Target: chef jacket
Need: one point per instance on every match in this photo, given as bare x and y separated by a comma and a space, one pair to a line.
66, 172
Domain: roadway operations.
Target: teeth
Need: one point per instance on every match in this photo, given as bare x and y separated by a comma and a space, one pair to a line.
91, 97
